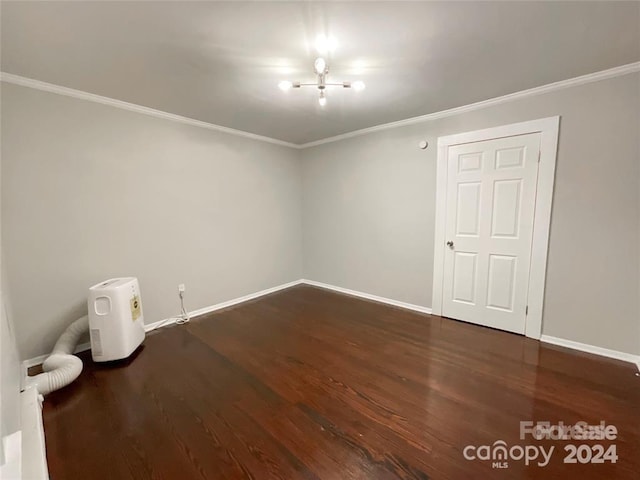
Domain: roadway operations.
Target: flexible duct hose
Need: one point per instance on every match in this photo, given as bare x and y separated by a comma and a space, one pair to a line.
61, 367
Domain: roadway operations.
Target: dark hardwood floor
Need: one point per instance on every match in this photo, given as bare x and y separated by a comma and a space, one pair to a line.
311, 384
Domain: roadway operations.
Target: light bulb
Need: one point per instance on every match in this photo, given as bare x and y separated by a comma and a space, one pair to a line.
322, 100
358, 85
325, 44
320, 65
285, 85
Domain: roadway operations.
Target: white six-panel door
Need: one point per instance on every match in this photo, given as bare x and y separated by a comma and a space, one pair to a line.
490, 206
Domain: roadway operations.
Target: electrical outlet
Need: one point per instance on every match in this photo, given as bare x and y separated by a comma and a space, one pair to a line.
181, 288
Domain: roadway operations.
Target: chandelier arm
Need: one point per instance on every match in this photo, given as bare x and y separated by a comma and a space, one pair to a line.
322, 71
318, 84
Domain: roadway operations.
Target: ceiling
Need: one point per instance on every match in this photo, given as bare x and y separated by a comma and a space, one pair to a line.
220, 62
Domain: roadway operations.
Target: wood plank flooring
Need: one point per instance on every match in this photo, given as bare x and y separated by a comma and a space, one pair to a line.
310, 384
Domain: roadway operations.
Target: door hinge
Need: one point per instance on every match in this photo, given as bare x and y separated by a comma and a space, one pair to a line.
526, 310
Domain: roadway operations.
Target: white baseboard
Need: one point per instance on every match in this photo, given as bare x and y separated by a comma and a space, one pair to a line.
605, 352
34, 463
626, 357
34, 456
246, 298
32, 413
31, 362
584, 347
219, 306
11, 456
368, 296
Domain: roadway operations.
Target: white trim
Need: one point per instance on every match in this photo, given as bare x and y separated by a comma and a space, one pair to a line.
368, 296
34, 456
112, 102
439, 230
585, 347
626, 357
11, 456
548, 128
219, 306
31, 362
551, 87
409, 306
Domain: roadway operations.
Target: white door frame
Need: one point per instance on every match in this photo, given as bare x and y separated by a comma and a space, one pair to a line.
548, 129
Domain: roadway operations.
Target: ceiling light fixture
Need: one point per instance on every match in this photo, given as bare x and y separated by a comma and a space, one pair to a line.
321, 69
320, 66
322, 100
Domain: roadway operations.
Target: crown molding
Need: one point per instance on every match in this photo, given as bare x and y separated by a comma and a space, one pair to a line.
551, 87
112, 102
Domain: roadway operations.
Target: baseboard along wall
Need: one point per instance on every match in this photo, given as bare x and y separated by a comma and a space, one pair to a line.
583, 347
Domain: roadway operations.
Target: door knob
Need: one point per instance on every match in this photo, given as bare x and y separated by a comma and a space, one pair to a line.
450, 244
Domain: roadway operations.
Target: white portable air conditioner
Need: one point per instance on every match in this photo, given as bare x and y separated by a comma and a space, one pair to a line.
116, 323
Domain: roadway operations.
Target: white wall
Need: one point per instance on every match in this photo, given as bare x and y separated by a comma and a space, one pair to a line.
91, 191
9, 373
369, 207
10, 370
